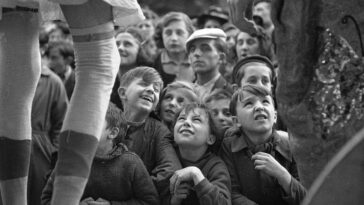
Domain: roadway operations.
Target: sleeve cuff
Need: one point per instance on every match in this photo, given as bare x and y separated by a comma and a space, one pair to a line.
203, 187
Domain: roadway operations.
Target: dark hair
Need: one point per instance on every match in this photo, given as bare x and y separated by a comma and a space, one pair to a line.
148, 74
238, 95
262, 38
114, 118
65, 48
218, 94
166, 20
142, 58
213, 128
179, 85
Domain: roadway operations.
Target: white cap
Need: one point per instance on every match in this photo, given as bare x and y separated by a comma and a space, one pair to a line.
209, 33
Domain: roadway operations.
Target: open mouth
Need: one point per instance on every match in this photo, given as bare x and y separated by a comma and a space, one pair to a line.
261, 117
186, 131
147, 98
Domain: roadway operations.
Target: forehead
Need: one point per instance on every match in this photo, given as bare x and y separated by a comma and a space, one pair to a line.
250, 96
175, 23
125, 36
194, 112
219, 103
244, 35
179, 92
256, 68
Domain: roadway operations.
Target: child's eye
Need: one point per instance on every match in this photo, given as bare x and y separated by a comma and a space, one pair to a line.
248, 104
180, 100
180, 118
266, 101
226, 113
196, 119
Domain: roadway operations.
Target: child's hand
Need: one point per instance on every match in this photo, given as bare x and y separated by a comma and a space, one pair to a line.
182, 191
266, 163
100, 201
86, 201
184, 175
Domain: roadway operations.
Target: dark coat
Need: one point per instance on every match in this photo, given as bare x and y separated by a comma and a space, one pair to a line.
250, 186
119, 177
215, 188
48, 110
152, 142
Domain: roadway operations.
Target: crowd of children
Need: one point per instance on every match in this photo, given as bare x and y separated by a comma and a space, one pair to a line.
192, 116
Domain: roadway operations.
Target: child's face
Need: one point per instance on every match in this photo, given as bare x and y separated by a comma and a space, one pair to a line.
175, 35
57, 63
192, 129
221, 113
141, 96
257, 74
172, 102
128, 48
255, 114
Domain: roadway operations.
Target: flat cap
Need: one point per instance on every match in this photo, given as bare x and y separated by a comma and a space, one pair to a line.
206, 33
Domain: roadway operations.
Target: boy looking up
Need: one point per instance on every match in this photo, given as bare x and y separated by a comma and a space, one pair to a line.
151, 140
204, 179
260, 162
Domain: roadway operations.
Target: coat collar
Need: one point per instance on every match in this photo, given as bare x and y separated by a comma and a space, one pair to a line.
280, 138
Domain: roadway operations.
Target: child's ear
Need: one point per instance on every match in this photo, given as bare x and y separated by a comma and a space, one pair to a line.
275, 116
211, 139
113, 133
122, 93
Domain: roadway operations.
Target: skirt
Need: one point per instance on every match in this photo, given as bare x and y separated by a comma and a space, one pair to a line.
125, 12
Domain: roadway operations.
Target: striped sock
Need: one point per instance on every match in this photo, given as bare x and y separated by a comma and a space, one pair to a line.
97, 64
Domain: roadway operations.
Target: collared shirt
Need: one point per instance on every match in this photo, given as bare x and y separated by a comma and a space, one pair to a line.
182, 70
250, 186
204, 90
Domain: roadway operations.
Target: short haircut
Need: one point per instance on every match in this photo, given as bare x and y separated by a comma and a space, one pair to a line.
65, 48
166, 20
113, 116
219, 94
179, 85
238, 95
213, 128
148, 74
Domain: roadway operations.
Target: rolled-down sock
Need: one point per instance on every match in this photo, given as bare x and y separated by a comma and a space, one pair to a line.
19, 74
97, 63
